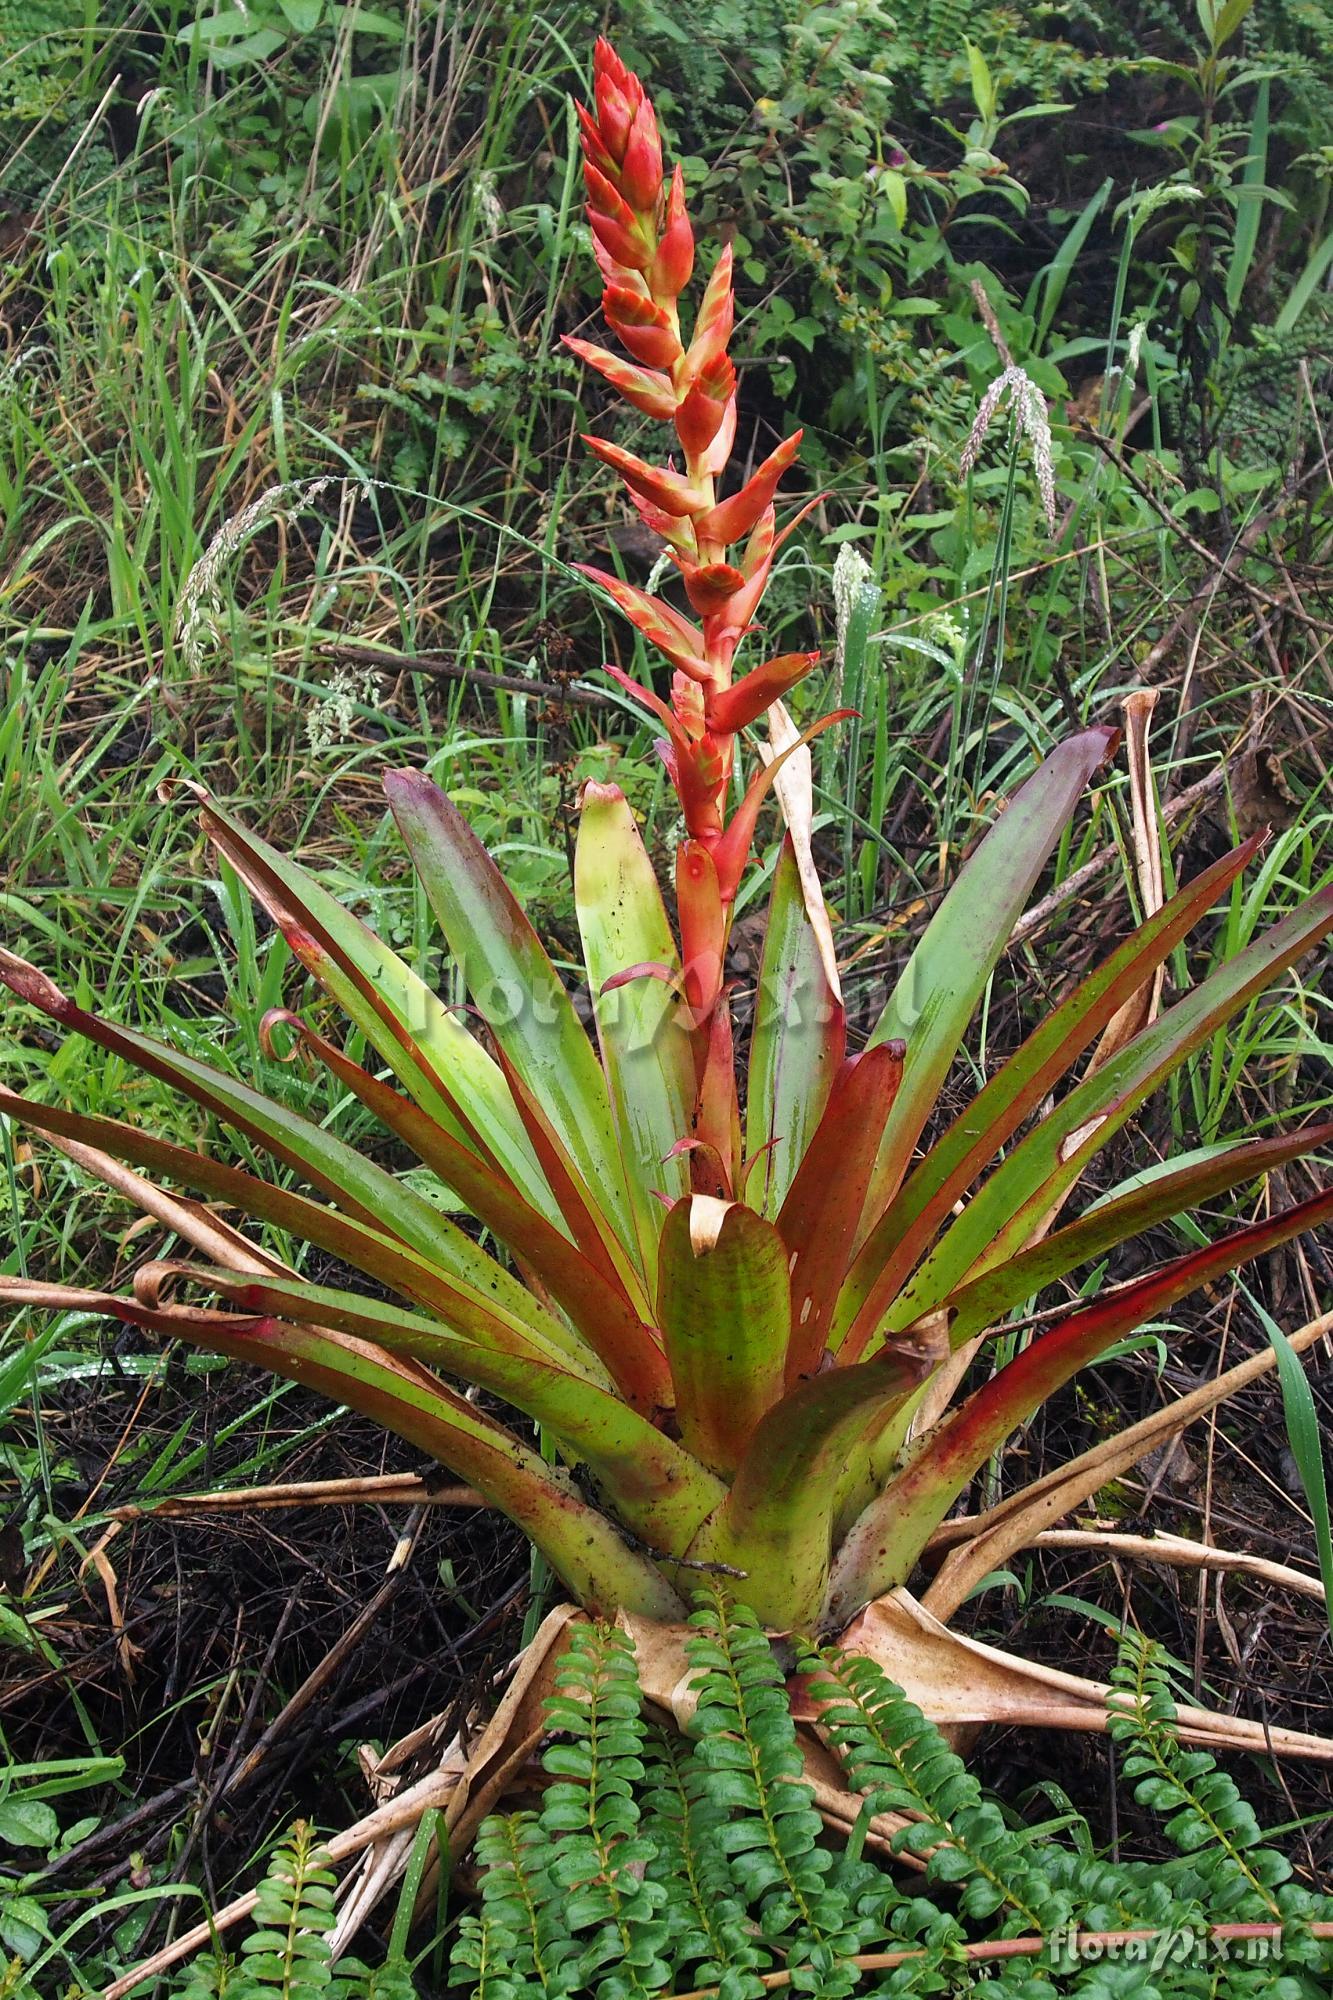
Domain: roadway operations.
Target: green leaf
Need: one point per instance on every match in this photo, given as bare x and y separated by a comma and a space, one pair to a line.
473, 1284
1249, 214
796, 1046
655, 1486
776, 1524
589, 1286
1046, 1164
646, 1053
373, 1196
723, 1307
1013, 1093
983, 83
946, 975
1305, 1437
304, 15
581, 1545
513, 984
883, 1547
28, 1823
438, 1062
1181, 1186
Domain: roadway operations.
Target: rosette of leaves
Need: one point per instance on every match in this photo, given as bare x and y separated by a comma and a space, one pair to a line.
727, 1300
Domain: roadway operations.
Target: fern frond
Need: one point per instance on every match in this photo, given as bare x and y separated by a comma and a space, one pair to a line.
599, 1856
902, 1764
711, 1933
288, 1954
751, 1766
1204, 1813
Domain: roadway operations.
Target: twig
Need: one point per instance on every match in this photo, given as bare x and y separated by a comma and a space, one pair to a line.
1200, 549
1079, 1944
386, 1489
1042, 912
390, 662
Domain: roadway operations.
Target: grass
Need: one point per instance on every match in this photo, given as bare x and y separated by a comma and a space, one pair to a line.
201, 309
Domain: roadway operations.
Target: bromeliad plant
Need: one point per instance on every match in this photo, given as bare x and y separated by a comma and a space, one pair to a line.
732, 1311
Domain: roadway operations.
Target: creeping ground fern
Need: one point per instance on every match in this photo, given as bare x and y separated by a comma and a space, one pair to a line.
699, 1866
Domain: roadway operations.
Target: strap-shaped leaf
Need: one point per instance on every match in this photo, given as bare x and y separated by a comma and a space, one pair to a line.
943, 981
776, 1524
360, 1187
796, 1047
489, 1305
1000, 1218
723, 1306
819, 1218
910, 1222
439, 1063
589, 1291
646, 1053
513, 984
984, 1303
652, 1483
581, 1545
364, 1189
883, 1546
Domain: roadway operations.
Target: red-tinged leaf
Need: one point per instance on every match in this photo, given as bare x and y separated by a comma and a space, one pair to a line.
1003, 1215
646, 388
912, 1220
717, 1123
590, 1289
625, 248
652, 702
513, 984
646, 1048
982, 1305
439, 1063
660, 623
655, 1487
641, 166
657, 483
580, 1544
732, 518
776, 1524
590, 1228
820, 1215
736, 707
712, 327
943, 981
722, 1308
673, 266
796, 1045
700, 413
361, 1189
884, 1545
709, 586
703, 927
458, 1282
733, 850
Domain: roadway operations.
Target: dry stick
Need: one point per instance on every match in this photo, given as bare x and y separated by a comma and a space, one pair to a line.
1042, 912
235, 1776
1201, 549
385, 1489
1180, 1553
404, 1810
457, 670
1079, 1943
